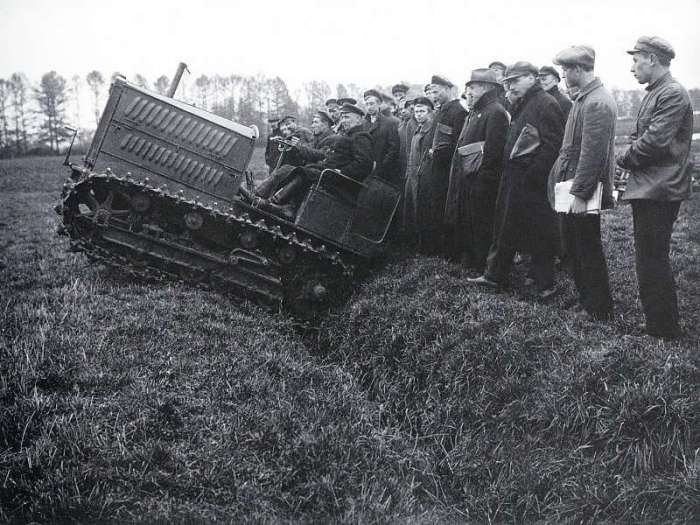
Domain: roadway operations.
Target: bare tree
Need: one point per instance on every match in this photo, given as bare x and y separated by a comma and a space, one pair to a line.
203, 85
75, 95
4, 134
51, 98
96, 81
162, 84
18, 89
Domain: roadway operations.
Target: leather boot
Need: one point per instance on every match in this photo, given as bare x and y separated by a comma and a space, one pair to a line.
285, 193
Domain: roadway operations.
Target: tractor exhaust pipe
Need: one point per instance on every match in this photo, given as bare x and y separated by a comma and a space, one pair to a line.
181, 68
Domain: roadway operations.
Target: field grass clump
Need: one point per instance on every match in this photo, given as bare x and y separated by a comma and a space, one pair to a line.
525, 413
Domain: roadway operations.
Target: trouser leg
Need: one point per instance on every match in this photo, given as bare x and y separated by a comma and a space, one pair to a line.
481, 212
653, 223
543, 270
499, 263
581, 235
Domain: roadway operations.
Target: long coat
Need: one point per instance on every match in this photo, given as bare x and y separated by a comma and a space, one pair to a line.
524, 220
418, 191
471, 198
385, 138
449, 120
658, 155
406, 129
587, 152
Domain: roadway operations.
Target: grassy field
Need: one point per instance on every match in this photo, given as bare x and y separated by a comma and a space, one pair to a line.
419, 401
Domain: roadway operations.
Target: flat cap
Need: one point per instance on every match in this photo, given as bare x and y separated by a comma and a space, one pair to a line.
273, 119
519, 69
549, 70
496, 63
440, 81
653, 44
408, 102
576, 56
325, 116
423, 101
484, 76
347, 100
288, 117
399, 88
352, 108
373, 93
331, 101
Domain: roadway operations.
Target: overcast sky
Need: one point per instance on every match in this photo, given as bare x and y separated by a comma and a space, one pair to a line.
365, 42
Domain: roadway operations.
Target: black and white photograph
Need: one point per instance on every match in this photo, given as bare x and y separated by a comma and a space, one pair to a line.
369, 262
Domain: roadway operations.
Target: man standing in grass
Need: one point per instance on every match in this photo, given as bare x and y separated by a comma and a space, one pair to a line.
659, 180
587, 157
524, 221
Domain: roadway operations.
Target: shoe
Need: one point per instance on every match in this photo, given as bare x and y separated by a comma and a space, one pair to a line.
482, 280
547, 294
675, 334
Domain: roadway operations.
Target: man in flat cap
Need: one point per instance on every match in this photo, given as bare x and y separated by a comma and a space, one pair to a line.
524, 220
549, 80
418, 191
332, 108
384, 131
471, 197
449, 120
587, 158
659, 180
499, 68
399, 92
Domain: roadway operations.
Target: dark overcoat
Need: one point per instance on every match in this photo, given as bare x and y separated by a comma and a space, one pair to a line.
449, 120
524, 220
385, 138
471, 198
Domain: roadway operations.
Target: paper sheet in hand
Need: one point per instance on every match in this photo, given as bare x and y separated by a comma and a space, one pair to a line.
563, 199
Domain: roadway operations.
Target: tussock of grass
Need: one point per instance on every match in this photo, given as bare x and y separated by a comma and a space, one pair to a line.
525, 414
422, 400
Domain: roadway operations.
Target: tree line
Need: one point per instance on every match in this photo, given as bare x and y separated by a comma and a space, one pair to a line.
33, 116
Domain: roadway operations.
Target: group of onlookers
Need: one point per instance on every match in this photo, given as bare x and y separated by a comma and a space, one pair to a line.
479, 172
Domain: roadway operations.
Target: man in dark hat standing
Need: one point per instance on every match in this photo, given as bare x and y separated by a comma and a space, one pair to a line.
549, 80
471, 196
449, 120
385, 136
587, 157
659, 180
524, 220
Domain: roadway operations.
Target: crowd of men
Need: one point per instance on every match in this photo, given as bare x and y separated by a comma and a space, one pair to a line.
479, 171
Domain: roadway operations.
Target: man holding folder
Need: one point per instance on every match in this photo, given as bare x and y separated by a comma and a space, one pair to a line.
587, 162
